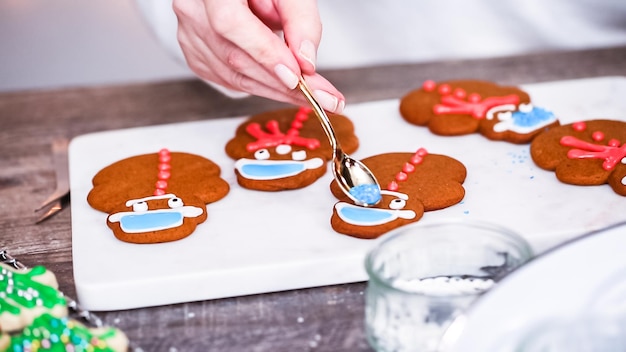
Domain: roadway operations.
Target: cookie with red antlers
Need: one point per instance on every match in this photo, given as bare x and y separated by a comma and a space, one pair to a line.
585, 153
461, 107
286, 149
412, 183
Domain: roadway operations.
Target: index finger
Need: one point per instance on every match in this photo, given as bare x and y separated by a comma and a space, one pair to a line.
302, 28
236, 23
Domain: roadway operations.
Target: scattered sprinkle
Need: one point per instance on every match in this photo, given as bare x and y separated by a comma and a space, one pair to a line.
300, 320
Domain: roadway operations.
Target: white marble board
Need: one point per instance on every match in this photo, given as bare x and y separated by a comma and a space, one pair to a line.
257, 242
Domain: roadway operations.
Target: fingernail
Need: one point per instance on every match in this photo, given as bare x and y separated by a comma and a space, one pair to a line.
307, 52
286, 76
340, 107
326, 100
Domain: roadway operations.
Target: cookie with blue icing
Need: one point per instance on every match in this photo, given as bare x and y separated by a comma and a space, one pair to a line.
411, 184
461, 107
157, 197
286, 149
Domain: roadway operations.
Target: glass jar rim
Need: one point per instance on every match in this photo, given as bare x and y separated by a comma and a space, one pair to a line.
518, 241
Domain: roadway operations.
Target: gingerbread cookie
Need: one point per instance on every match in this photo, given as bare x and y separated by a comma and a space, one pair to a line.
585, 153
462, 107
286, 149
412, 183
157, 197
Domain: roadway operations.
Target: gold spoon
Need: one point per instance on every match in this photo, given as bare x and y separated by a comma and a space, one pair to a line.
352, 176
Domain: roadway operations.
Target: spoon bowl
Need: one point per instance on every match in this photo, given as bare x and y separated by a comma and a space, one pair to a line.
352, 176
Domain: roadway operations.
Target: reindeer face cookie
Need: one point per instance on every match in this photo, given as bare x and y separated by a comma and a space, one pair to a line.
469, 106
285, 149
585, 153
157, 197
412, 183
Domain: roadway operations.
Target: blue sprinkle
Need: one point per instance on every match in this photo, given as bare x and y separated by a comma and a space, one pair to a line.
466, 212
367, 194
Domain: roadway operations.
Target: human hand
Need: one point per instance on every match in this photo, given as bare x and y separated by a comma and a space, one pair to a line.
233, 43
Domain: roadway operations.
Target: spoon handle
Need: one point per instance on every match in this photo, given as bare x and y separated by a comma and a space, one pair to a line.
321, 114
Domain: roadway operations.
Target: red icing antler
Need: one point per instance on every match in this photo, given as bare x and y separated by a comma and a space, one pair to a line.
453, 102
475, 107
275, 137
611, 153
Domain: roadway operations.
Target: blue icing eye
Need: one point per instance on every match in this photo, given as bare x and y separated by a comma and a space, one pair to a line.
532, 118
267, 170
150, 221
367, 194
359, 215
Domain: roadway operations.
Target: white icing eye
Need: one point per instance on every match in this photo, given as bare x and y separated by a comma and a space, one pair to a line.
283, 149
262, 154
140, 206
298, 155
175, 202
525, 108
397, 203
505, 115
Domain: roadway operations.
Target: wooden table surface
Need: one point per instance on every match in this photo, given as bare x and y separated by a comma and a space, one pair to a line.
317, 319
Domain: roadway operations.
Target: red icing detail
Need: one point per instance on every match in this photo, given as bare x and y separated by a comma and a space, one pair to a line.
164, 158
612, 154
429, 85
275, 137
460, 93
401, 176
474, 106
408, 168
613, 143
164, 175
473, 98
418, 156
597, 136
416, 159
579, 126
161, 184
445, 89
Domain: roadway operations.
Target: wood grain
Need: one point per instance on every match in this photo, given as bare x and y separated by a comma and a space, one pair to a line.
317, 319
